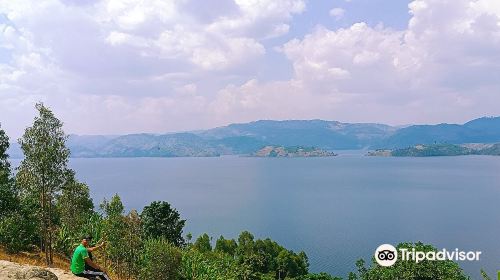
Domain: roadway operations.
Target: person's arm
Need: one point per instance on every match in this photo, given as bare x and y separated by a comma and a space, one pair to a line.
91, 249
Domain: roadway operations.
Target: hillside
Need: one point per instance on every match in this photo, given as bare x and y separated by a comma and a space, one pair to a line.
482, 130
247, 138
440, 150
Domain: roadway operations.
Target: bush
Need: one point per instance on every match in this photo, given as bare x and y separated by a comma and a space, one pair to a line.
160, 260
208, 266
17, 232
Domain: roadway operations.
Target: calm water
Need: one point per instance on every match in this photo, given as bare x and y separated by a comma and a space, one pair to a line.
335, 209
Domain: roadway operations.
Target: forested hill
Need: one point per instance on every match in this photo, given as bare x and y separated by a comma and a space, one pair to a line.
247, 138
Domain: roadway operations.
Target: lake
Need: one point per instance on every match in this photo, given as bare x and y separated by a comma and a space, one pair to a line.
336, 209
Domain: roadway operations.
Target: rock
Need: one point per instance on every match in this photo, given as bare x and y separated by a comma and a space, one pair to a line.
35, 273
14, 271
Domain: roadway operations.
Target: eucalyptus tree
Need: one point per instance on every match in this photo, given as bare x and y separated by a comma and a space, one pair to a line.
44, 171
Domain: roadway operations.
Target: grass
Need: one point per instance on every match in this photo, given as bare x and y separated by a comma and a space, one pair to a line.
34, 258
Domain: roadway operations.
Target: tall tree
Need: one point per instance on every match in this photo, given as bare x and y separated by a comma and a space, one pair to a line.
160, 220
115, 232
43, 172
7, 190
17, 227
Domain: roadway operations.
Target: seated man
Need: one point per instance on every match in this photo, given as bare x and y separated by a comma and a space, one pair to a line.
81, 258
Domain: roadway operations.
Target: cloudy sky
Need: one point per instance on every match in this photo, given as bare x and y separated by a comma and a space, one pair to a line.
124, 66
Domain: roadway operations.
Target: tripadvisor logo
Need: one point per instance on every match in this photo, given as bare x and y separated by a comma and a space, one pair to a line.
387, 255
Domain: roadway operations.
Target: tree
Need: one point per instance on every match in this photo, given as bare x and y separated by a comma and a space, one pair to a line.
245, 243
227, 246
43, 172
160, 220
202, 244
115, 232
8, 194
291, 265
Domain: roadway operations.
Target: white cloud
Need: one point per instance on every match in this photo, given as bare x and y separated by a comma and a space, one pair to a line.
128, 66
110, 55
442, 67
337, 13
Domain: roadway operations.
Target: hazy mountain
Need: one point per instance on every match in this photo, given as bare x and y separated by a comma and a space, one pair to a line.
317, 133
482, 130
247, 138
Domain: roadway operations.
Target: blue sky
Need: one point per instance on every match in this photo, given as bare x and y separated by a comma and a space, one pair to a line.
125, 66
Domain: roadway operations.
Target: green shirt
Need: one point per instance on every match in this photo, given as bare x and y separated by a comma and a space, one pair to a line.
78, 259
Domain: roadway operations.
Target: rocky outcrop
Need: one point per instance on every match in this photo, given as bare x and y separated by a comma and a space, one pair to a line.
14, 271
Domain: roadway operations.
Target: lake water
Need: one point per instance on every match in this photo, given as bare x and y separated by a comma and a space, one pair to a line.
336, 209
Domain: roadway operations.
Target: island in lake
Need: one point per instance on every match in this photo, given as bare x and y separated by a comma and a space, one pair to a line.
431, 150
297, 151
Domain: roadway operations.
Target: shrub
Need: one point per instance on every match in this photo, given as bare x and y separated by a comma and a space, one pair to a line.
160, 260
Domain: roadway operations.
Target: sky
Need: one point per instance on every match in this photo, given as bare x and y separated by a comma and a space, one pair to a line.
128, 66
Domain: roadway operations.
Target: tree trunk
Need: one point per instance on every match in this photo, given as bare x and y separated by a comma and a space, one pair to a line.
49, 243
44, 225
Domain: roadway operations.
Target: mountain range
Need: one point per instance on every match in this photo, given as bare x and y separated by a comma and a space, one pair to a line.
247, 138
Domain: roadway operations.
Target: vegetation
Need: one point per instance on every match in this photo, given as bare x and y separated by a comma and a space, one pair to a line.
294, 151
7, 191
432, 150
44, 208
440, 150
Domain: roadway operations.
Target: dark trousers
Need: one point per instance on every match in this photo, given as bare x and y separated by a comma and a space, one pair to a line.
93, 274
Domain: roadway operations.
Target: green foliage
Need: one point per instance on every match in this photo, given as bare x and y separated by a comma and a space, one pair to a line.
291, 265
245, 243
226, 246
94, 226
160, 260
160, 220
409, 270
202, 244
485, 275
133, 243
246, 259
75, 205
432, 150
18, 231
319, 276
208, 266
8, 193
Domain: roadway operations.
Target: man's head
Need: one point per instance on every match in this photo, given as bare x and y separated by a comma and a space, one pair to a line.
86, 240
